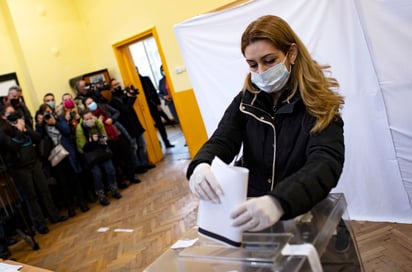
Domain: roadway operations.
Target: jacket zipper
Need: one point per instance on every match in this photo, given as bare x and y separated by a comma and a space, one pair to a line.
241, 108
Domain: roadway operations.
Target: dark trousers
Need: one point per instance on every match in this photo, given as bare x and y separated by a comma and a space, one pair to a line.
32, 183
160, 127
141, 151
172, 109
69, 183
122, 160
108, 168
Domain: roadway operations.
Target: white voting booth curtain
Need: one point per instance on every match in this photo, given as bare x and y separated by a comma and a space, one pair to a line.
367, 43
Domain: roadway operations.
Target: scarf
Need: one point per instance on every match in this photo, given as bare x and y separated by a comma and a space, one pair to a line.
111, 130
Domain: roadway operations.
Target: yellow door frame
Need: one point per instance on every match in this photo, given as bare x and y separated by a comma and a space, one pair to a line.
130, 76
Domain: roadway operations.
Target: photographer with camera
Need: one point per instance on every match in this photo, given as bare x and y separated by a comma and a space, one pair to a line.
93, 90
70, 110
81, 90
15, 99
123, 101
66, 172
91, 141
17, 147
118, 139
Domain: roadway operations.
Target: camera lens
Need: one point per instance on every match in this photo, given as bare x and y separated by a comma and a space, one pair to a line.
47, 116
13, 116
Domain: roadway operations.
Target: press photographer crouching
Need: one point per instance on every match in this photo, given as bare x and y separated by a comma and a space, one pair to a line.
91, 143
17, 147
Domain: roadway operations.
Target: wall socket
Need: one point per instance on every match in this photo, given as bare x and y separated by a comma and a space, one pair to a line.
180, 69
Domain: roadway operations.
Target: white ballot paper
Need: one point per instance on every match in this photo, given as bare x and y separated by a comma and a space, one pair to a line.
214, 219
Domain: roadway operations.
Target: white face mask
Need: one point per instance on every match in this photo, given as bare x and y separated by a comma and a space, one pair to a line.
273, 79
90, 122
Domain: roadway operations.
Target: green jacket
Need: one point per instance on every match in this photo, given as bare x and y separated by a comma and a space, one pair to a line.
84, 140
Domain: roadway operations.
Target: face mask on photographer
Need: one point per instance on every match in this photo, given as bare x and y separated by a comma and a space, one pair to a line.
68, 104
92, 106
51, 104
89, 122
15, 102
273, 79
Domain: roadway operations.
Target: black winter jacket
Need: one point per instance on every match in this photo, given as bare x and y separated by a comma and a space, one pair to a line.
283, 158
17, 148
128, 116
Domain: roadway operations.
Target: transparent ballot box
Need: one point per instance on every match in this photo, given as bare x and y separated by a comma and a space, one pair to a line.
259, 251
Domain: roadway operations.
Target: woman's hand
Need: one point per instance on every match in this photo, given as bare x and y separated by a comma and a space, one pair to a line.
204, 185
257, 213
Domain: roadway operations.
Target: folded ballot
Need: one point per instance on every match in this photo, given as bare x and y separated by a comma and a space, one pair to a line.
214, 219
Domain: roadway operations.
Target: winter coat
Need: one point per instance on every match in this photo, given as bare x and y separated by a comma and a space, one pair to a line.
284, 159
150, 92
66, 141
84, 140
128, 117
17, 148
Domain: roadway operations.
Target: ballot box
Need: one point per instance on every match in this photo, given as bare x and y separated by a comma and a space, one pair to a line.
290, 245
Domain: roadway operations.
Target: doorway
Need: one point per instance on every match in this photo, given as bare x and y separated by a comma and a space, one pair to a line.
146, 57
144, 51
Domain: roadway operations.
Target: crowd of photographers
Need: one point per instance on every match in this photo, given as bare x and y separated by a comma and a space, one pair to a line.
69, 154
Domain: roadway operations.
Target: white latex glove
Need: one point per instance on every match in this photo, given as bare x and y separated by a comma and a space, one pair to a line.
257, 213
204, 185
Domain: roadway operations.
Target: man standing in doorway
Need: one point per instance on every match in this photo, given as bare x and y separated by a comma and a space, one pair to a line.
164, 91
155, 108
15, 99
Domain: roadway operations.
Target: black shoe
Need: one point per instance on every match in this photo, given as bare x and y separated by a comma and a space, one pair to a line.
122, 185
104, 201
11, 241
83, 206
71, 212
5, 254
150, 166
140, 170
60, 218
135, 180
116, 194
42, 229
170, 145
91, 197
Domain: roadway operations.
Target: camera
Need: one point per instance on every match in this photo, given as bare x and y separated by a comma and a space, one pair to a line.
73, 115
13, 116
96, 87
131, 90
47, 115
